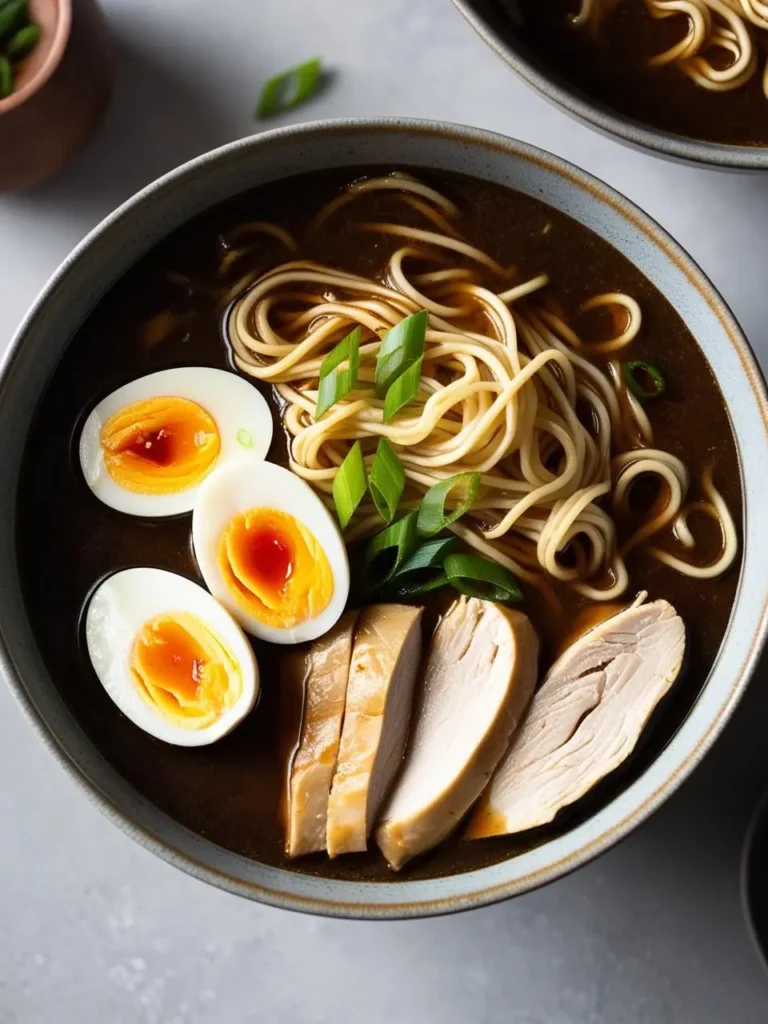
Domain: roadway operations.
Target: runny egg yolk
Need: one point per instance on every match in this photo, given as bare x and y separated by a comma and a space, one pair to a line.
275, 567
160, 445
184, 671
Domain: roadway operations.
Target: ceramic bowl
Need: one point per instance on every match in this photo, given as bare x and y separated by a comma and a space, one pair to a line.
61, 92
489, 20
132, 231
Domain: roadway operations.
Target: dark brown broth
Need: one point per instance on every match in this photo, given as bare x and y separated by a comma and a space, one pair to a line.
612, 68
229, 792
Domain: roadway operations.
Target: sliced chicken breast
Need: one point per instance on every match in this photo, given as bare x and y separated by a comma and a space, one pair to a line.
585, 719
314, 690
385, 662
480, 676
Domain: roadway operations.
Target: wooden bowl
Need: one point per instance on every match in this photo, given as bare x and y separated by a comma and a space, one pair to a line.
61, 92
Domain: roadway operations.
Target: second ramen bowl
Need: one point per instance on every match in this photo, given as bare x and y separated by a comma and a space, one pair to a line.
133, 231
493, 20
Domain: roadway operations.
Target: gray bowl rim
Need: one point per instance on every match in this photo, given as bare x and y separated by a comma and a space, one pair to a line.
603, 118
404, 907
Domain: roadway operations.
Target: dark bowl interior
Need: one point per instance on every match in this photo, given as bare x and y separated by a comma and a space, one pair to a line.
494, 21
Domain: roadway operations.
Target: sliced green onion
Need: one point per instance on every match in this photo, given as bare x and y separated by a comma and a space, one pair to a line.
388, 551
402, 391
290, 89
634, 374
433, 516
23, 43
335, 383
400, 348
387, 480
414, 587
465, 572
6, 77
245, 438
423, 571
430, 555
13, 15
349, 484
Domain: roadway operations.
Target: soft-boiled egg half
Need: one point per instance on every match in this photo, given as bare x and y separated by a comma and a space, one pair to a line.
146, 448
173, 660
270, 551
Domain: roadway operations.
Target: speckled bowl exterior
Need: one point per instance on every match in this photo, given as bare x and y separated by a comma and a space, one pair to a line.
488, 19
132, 231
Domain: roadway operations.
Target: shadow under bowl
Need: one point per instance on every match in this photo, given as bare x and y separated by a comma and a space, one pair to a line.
754, 880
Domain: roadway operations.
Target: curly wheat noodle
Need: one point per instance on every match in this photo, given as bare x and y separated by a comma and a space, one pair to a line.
717, 509
507, 390
670, 471
730, 28
634, 419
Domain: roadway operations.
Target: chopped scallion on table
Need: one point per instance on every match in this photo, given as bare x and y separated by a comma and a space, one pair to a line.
290, 89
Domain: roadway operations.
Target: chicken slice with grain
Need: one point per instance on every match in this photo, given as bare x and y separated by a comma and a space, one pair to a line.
479, 677
385, 662
314, 690
586, 718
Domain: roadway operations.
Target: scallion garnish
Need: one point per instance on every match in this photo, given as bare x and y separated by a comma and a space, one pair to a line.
335, 383
413, 586
24, 42
6, 77
349, 484
432, 514
387, 480
388, 551
476, 576
638, 375
402, 390
290, 89
400, 348
430, 555
423, 571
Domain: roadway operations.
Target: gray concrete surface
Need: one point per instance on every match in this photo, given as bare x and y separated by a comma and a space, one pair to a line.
93, 929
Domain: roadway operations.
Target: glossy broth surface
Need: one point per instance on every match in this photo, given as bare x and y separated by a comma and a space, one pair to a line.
229, 792
612, 67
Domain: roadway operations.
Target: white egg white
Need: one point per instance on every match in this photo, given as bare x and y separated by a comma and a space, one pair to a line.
232, 490
119, 608
241, 414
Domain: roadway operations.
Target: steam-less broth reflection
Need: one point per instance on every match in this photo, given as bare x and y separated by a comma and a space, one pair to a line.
229, 792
